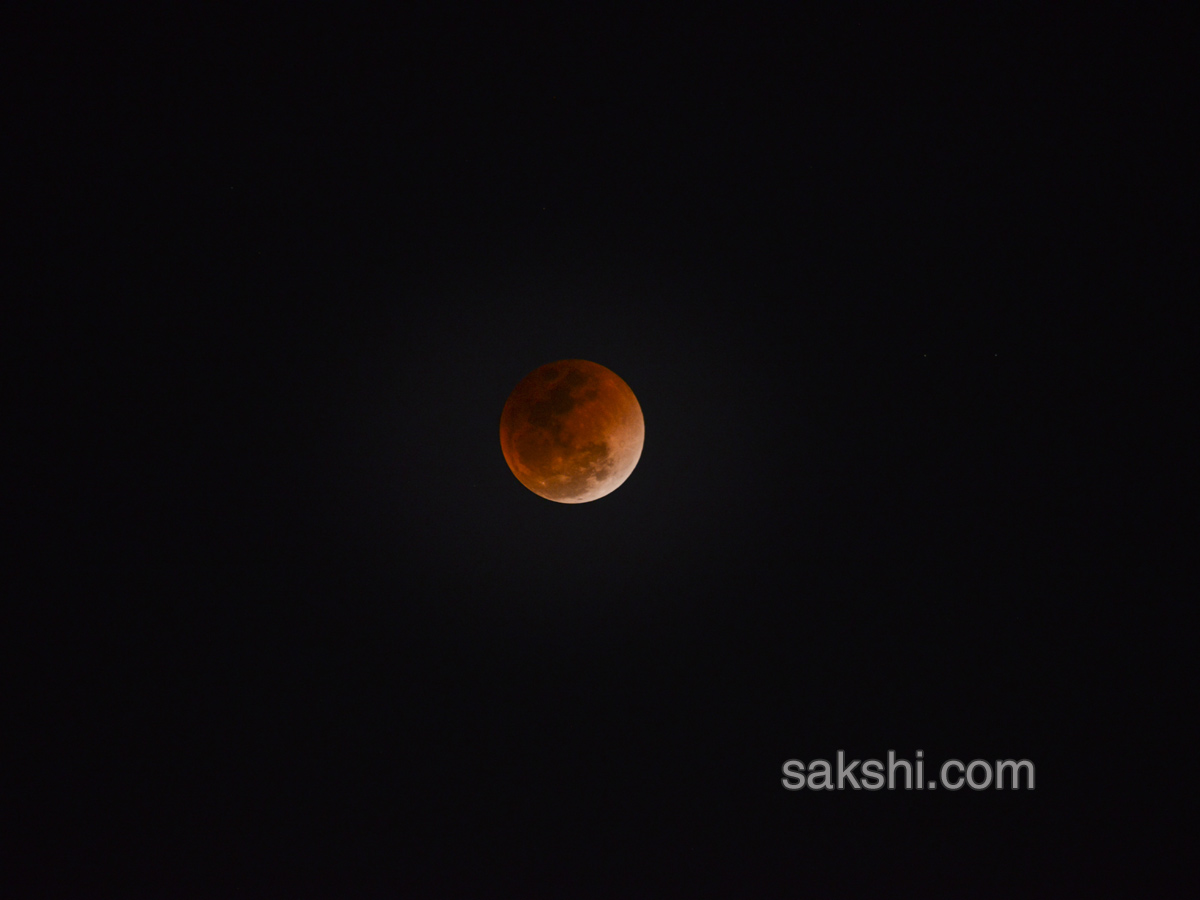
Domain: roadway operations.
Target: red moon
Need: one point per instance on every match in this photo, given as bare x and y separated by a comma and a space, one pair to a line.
572, 431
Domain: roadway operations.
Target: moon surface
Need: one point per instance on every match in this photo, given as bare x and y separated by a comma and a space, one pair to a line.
572, 431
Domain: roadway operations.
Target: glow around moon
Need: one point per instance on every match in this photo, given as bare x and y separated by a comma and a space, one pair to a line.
572, 431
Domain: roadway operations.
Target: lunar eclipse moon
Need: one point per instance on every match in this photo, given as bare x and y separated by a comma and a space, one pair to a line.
572, 431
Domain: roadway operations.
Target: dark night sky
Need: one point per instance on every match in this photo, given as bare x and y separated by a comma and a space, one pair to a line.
872, 281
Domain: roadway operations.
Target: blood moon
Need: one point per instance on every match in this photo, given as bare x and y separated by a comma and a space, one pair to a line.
572, 431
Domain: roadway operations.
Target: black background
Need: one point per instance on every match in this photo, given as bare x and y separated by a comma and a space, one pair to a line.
883, 287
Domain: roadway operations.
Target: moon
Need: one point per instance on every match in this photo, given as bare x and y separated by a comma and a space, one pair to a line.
572, 431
